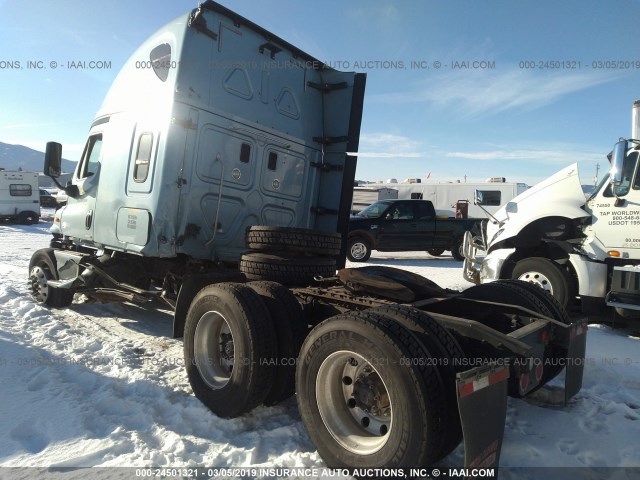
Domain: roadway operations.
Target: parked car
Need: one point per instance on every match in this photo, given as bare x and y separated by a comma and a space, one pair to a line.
404, 226
46, 199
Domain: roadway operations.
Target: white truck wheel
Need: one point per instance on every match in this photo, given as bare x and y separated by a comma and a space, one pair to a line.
547, 275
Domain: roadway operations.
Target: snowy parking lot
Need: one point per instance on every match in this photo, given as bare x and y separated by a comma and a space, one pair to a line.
104, 385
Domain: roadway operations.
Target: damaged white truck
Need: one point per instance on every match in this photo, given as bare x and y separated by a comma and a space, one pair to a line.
583, 251
216, 178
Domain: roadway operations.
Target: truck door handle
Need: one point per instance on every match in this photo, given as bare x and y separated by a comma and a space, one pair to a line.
88, 219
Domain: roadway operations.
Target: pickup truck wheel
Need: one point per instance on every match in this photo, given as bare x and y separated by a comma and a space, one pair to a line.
288, 270
358, 249
41, 270
457, 251
447, 355
290, 330
276, 239
547, 275
229, 348
435, 252
368, 396
28, 218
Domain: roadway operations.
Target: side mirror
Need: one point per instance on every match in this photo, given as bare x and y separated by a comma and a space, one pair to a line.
478, 197
617, 162
53, 160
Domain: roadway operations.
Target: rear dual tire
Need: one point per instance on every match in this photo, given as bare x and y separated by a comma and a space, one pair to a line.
241, 342
369, 395
290, 330
528, 296
229, 343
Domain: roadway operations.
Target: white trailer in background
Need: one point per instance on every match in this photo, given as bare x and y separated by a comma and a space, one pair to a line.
363, 197
452, 199
19, 197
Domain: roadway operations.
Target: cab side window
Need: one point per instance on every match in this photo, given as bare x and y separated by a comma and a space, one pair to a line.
402, 212
425, 211
91, 157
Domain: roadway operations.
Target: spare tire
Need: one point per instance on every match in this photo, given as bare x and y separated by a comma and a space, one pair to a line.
288, 270
275, 239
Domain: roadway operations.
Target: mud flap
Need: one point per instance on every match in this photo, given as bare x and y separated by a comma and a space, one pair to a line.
575, 360
482, 403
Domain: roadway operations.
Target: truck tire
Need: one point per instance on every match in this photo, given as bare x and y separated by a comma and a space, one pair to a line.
279, 239
435, 252
368, 396
358, 249
448, 356
557, 312
526, 296
456, 249
28, 218
547, 275
288, 270
290, 330
42, 268
229, 346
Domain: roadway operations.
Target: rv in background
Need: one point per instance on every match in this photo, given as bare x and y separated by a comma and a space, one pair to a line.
452, 199
19, 197
363, 197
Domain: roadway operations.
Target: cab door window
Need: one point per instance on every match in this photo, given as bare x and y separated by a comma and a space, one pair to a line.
91, 157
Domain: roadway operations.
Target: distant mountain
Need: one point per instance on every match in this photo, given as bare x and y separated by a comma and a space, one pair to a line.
15, 157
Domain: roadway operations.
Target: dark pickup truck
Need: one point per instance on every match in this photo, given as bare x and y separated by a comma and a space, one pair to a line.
403, 226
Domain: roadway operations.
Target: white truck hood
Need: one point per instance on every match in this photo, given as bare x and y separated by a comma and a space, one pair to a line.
560, 195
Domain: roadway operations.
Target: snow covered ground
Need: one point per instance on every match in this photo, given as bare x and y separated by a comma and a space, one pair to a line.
104, 385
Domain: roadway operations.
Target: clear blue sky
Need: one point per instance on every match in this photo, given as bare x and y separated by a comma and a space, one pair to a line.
523, 124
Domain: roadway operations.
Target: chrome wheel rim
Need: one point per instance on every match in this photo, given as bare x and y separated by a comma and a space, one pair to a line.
358, 250
39, 284
214, 351
354, 402
538, 279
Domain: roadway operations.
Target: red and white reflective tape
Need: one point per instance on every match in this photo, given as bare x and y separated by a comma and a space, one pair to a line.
473, 386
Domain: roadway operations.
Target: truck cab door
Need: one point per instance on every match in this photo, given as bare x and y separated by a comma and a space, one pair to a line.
616, 223
398, 228
426, 223
78, 216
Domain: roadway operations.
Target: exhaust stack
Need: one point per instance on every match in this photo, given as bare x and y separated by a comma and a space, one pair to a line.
635, 120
